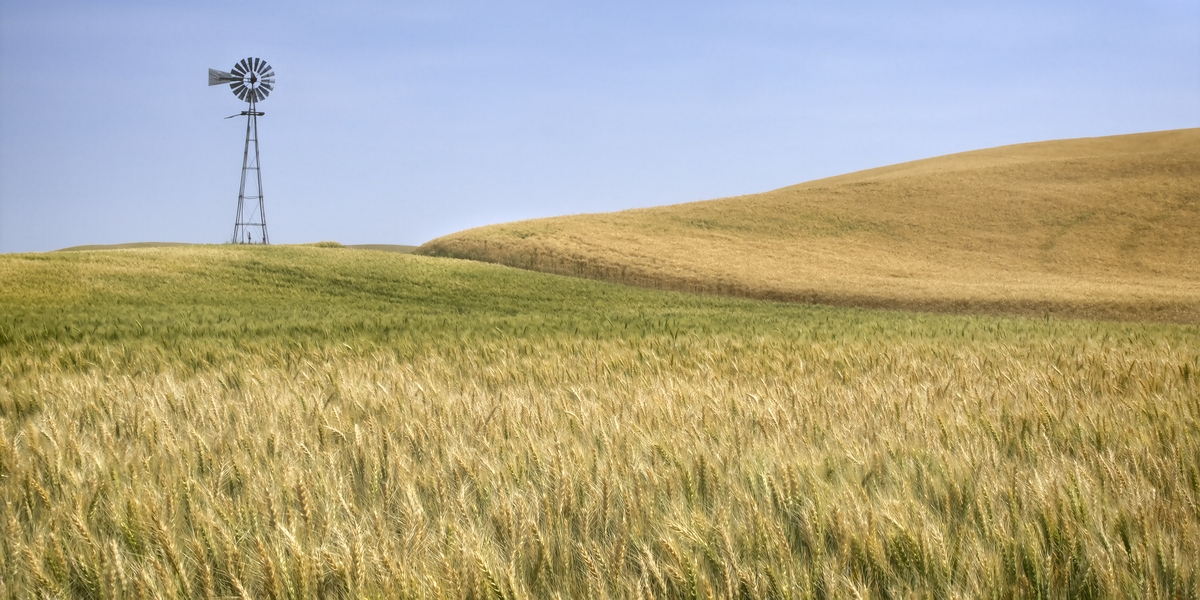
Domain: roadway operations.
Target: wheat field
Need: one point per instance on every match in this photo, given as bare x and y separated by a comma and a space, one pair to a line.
300, 422
1101, 228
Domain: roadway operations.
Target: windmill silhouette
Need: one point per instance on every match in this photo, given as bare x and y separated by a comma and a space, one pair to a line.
251, 80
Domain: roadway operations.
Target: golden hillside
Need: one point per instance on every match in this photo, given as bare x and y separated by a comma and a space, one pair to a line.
1098, 227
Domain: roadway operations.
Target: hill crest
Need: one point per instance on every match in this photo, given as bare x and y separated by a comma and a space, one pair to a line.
1095, 227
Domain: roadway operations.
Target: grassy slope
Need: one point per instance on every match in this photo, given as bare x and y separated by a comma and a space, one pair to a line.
303, 421
1097, 228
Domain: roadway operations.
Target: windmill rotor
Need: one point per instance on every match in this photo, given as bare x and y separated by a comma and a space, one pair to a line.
251, 79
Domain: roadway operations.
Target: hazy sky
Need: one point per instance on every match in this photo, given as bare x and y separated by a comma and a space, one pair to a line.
397, 122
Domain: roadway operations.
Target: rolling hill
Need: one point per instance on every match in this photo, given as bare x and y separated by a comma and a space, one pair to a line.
1104, 228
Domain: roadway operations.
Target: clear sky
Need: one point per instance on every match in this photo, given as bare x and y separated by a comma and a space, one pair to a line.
397, 122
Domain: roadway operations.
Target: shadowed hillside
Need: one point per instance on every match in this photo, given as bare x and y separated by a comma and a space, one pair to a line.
1099, 228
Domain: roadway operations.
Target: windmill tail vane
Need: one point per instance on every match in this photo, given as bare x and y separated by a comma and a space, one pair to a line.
251, 80
216, 77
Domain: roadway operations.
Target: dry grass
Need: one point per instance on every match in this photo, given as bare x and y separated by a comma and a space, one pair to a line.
1096, 228
315, 422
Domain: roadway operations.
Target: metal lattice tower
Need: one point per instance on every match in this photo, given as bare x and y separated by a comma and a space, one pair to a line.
251, 80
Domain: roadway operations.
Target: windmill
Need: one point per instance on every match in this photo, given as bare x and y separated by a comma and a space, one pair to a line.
251, 80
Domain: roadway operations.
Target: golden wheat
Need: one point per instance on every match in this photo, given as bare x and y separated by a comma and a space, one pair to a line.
666, 467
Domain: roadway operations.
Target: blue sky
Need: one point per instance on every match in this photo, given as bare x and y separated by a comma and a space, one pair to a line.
399, 122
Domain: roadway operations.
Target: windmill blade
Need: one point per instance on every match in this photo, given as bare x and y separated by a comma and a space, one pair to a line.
216, 77
258, 63
244, 65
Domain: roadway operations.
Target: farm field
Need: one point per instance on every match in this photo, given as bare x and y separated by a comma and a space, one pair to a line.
303, 421
1103, 228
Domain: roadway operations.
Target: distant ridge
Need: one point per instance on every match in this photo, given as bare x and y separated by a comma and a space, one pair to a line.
122, 246
382, 247
1105, 228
